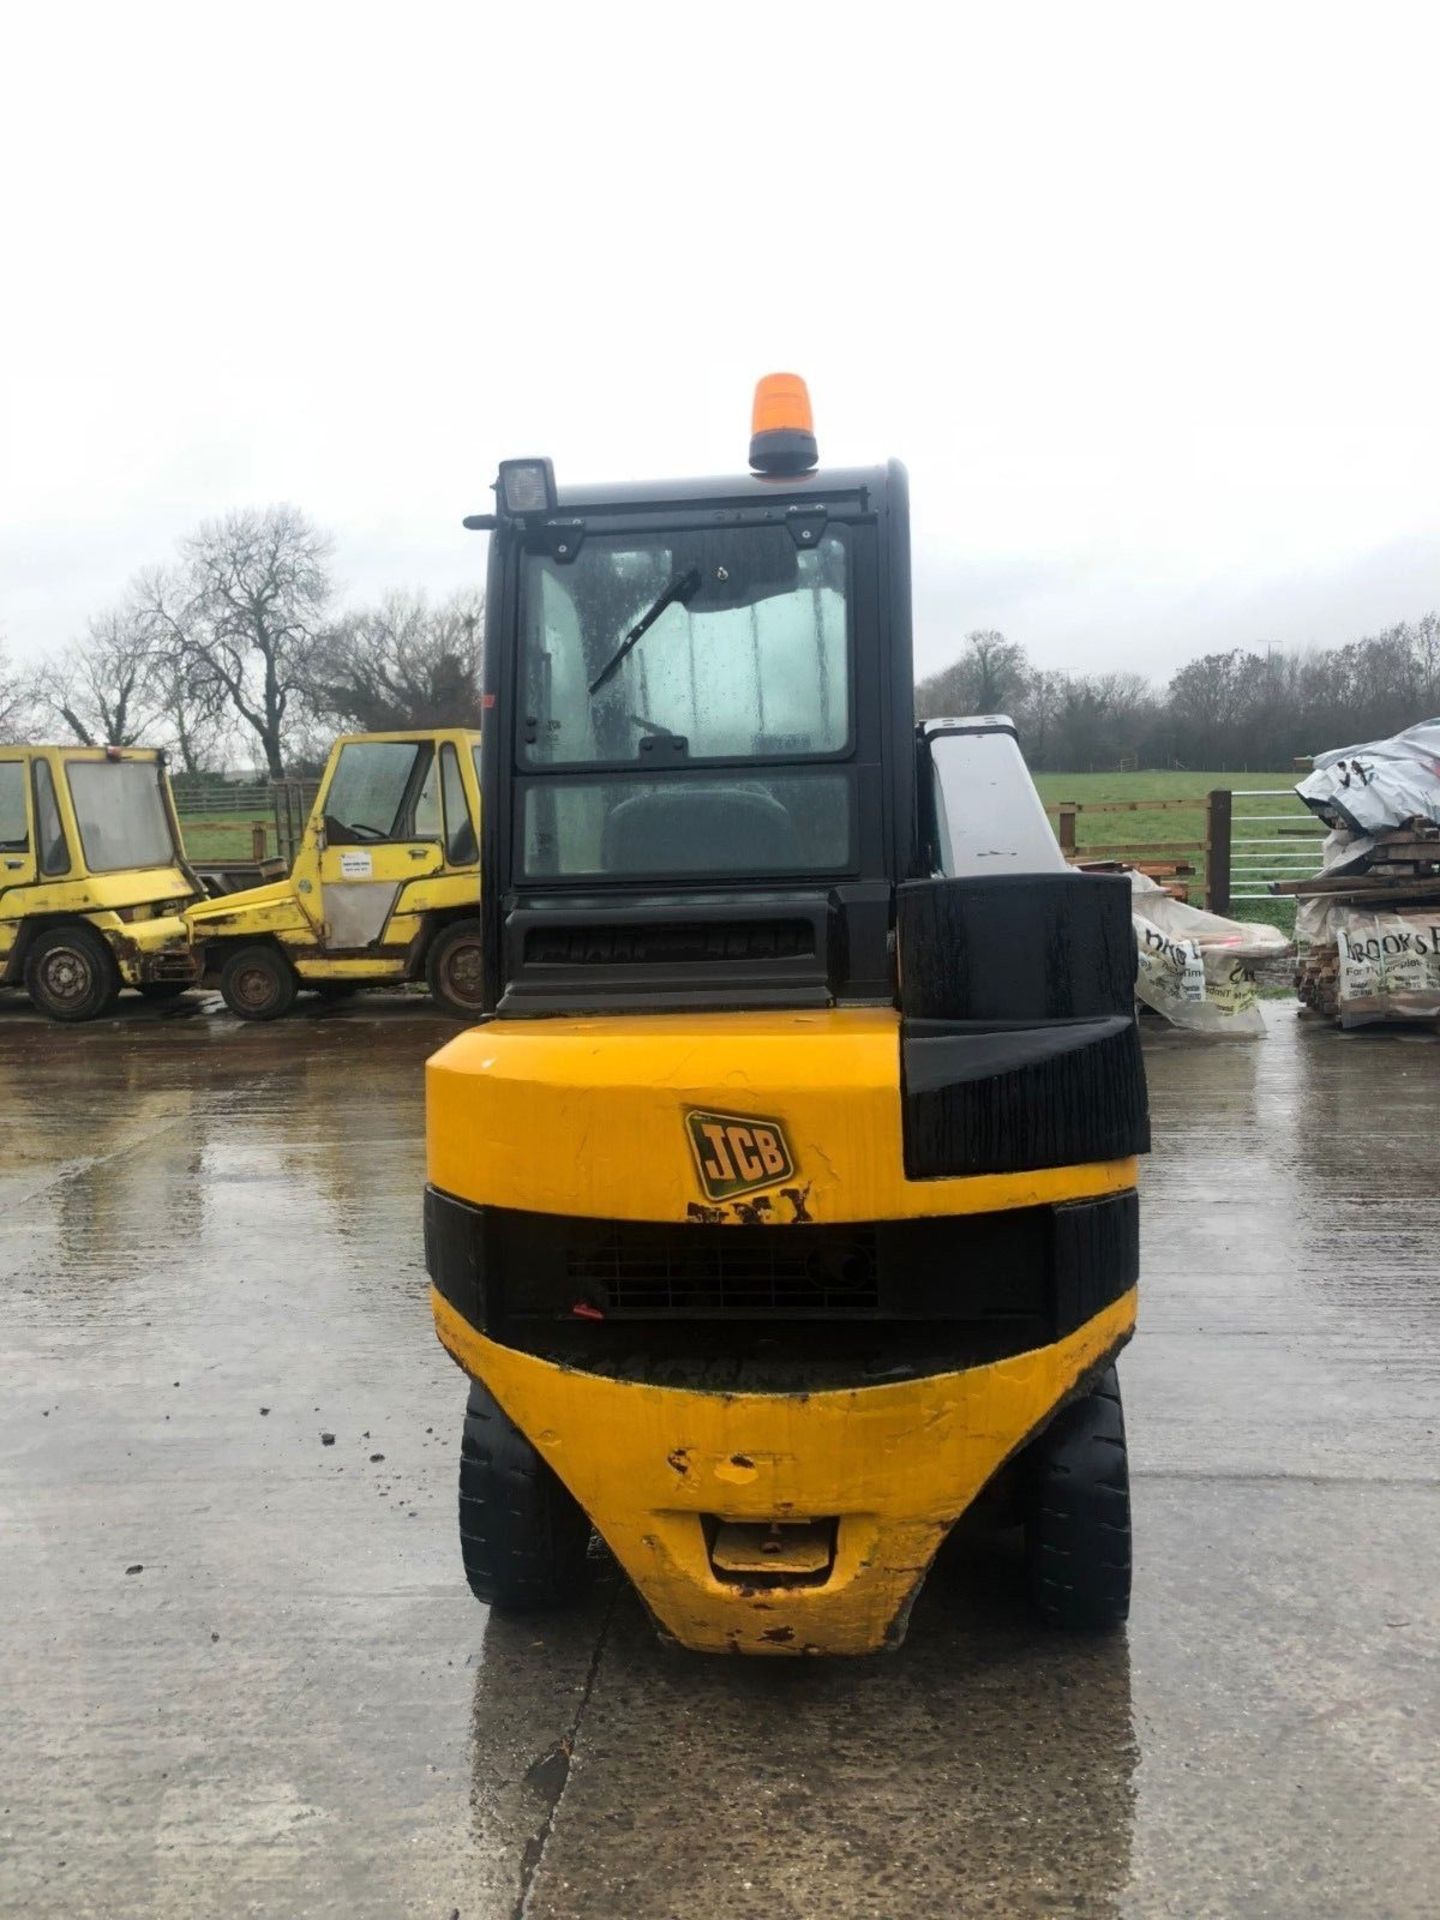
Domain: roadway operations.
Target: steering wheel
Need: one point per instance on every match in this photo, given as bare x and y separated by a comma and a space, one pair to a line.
360, 827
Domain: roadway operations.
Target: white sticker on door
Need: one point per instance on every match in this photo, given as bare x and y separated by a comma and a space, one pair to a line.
356, 866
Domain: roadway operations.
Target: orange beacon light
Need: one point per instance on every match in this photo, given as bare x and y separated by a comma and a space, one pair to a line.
782, 428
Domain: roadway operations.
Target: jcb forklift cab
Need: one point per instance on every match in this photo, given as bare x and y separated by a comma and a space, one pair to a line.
785, 1199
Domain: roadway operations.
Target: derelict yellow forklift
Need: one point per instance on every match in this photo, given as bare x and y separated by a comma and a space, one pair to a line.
93, 878
784, 1200
382, 889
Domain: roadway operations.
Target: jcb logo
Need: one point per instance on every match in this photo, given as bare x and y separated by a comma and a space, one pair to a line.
737, 1152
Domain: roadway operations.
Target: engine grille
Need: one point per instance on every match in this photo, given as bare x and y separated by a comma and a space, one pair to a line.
705, 1272
1010, 1280
701, 942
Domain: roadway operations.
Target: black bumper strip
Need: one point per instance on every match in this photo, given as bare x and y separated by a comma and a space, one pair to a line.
1024, 1278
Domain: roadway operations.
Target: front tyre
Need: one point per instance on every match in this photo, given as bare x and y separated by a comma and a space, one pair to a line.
1077, 1521
454, 969
70, 973
523, 1535
258, 983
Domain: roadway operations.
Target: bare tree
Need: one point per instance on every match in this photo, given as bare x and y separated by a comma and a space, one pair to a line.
15, 700
989, 677
1243, 708
189, 699
101, 687
196, 720
403, 663
245, 616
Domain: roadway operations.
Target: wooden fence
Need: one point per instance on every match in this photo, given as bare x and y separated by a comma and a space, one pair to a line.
1276, 837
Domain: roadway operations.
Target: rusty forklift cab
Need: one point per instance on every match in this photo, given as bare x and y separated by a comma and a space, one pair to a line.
785, 1198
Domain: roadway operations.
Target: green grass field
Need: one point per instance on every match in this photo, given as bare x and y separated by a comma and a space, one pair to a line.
1284, 823
222, 836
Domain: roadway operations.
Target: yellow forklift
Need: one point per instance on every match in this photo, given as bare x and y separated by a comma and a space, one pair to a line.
383, 887
783, 1202
93, 878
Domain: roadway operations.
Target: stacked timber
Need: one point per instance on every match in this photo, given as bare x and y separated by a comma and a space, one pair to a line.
1367, 926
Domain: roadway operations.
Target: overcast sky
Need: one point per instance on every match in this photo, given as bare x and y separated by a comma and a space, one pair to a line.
1144, 296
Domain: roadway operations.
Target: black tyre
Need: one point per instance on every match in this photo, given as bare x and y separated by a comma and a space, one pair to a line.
523, 1535
1077, 1524
258, 983
454, 971
70, 973
162, 989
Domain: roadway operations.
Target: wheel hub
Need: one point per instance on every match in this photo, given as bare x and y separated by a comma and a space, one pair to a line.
255, 988
464, 975
67, 974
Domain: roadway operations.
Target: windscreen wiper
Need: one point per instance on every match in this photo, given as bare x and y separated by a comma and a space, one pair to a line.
683, 589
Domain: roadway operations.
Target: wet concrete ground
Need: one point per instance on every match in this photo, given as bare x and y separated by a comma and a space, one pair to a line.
242, 1676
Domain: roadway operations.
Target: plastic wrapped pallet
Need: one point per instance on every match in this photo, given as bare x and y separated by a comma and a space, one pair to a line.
1359, 963
1198, 968
1388, 964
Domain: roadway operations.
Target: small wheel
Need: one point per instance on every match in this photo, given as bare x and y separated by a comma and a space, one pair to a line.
523, 1535
70, 973
1077, 1524
162, 989
258, 983
454, 970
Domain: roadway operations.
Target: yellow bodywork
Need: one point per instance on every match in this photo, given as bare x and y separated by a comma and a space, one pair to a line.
137, 908
302, 914
592, 1117
587, 1116
895, 1465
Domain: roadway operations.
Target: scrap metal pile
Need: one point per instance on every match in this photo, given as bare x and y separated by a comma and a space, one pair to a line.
1368, 924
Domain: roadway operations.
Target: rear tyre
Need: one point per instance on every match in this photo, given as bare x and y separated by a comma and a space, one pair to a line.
162, 989
70, 973
1077, 1524
454, 969
258, 983
523, 1535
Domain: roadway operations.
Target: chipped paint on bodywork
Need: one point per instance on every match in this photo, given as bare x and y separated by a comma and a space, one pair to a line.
892, 1465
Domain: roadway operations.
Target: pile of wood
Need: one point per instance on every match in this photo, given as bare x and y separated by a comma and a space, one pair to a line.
1394, 872
1170, 874
1401, 868
1317, 979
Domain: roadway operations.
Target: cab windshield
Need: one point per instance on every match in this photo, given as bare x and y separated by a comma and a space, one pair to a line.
121, 814
715, 663
726, 644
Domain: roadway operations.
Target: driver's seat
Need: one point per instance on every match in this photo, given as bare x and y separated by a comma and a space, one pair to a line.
700, 829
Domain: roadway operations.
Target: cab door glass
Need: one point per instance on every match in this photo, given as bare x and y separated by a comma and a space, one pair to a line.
462, 849
14, 828
369, 797
427, 808
54, 854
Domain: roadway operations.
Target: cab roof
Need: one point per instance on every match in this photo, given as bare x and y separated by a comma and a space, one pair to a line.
74, 751
469, 734
715, 490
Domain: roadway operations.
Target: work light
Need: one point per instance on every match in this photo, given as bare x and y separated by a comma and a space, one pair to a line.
526, 486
